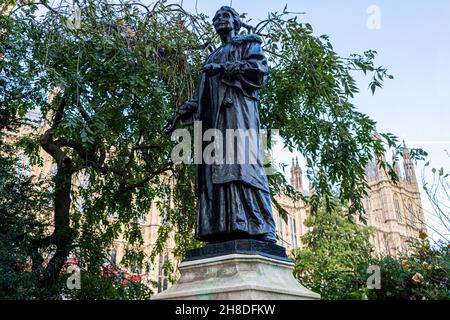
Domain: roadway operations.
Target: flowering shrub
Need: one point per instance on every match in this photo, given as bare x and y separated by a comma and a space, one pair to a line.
421, 274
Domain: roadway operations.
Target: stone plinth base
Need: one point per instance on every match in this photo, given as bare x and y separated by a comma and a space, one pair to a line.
240, 246
237, 277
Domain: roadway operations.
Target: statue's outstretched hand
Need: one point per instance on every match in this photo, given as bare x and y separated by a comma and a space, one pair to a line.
188, 108
212, 69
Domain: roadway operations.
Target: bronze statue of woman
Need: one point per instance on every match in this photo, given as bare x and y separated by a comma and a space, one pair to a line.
233, 198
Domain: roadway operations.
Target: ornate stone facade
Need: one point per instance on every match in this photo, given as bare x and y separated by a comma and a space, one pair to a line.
290, 230
394, 210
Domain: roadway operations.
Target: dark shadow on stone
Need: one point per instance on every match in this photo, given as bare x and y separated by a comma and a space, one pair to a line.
242, 246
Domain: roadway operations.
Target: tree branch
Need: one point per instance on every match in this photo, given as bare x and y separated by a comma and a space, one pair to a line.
125, 188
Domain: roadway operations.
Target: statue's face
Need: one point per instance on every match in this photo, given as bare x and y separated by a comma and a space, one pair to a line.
223, 22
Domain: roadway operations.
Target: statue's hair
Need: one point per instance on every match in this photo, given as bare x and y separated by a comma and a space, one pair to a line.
236, 18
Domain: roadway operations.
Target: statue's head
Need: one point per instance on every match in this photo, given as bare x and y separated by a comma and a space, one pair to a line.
226, 20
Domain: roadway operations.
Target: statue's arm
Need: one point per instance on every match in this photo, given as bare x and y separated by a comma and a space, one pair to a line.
186, 114
252, 70
188, 111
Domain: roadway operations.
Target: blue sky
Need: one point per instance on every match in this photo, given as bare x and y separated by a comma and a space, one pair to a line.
413, 42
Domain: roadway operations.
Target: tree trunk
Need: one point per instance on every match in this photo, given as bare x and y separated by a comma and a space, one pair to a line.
62, 236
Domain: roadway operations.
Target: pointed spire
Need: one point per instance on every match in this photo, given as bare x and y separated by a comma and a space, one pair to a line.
408, 165
396, 166
292, 171
296, 175
297, 166
405, 152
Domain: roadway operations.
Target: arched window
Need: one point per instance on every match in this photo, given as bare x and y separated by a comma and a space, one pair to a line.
412, 214
113, 256
411, 217
397, 208
166, 261
294, 223
162, 273
293, 232
280, 226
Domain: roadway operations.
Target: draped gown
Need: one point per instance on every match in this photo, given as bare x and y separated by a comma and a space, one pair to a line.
234, 197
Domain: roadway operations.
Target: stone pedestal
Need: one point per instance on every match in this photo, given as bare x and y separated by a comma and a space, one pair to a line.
236, 274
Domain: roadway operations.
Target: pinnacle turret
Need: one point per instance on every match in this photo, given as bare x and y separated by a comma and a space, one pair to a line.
296, 175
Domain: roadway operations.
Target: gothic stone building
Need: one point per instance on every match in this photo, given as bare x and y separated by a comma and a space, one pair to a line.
394, 209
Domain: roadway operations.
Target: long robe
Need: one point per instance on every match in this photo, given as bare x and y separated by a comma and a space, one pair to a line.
234, 197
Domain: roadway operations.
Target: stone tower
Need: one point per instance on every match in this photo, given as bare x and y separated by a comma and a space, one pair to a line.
296, 176
410, 175
394, 209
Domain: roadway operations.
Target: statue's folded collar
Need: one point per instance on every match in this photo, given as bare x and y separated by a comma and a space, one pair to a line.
240, 39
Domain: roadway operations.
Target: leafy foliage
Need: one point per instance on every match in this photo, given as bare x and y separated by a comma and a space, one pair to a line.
335, 256
308, 97
104, 91
420, 274
109, 285
23, 214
